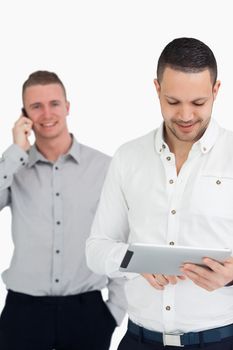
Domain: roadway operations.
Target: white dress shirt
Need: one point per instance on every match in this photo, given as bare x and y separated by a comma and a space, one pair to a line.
143, 200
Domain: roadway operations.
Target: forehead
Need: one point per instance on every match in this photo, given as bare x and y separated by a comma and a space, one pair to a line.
43, 93
175, 81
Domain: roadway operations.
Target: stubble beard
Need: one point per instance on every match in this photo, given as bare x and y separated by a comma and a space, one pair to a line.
189, 138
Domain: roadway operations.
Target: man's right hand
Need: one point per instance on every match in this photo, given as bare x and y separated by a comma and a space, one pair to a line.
159, 281
21, 131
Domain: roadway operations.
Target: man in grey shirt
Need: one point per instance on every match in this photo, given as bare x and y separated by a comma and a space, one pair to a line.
52, 189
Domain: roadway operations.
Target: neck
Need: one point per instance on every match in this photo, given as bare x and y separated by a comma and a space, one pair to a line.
181, 150
51, 149
176, 146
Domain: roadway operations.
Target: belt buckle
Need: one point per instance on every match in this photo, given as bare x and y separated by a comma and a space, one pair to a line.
172, 339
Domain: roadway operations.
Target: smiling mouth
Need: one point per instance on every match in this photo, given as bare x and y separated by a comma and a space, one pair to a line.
48, 125
185, 126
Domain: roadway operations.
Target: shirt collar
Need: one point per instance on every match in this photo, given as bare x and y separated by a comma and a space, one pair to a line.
35, 155
159, 140
75, 150
205, 143
209, 138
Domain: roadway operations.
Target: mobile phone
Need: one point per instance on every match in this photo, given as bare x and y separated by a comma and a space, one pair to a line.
24, 112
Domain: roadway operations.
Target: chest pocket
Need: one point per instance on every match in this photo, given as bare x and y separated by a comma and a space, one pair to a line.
213, 195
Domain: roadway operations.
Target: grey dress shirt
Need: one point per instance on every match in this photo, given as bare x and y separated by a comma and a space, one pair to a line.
53, 206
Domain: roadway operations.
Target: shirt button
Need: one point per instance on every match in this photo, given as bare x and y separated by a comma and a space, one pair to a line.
57, 251
204, 149
21, 159
164, 146
173, 212
56, 280
168, 158
57, 194
218, 182
5, 177
171, 243
58, 222
171, 181
56, 167
168, 308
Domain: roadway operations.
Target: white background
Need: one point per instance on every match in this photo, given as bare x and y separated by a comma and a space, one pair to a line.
105, 51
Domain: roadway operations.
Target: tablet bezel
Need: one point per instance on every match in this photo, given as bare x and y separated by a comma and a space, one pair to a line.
167, 259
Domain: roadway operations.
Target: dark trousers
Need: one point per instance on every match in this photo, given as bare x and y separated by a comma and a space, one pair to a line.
132, 342
79, 322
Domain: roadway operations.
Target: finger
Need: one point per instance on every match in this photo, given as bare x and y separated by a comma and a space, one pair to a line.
171, 279
28, 122
214, 265
161, 279
28, 132
194, 276
205, 284
152, 280
204, 272
181, 277
27, 128
229, 260
224, 272
23, 120
155, 283
204, 277
213, 276
209, 285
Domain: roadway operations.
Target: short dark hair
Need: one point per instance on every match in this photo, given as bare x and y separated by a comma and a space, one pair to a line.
42, 77
187, 55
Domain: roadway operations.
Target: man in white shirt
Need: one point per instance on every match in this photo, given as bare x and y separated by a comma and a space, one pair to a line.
173, 186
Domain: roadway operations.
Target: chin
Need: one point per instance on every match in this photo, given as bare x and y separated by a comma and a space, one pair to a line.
187, 138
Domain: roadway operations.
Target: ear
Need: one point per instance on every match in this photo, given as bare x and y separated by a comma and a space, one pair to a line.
68, 107
216, 88
157, 86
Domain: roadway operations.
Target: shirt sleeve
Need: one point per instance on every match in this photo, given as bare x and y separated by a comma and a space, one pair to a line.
107, 243
12, 160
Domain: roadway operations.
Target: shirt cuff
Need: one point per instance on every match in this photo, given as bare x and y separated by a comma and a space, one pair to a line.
15, 157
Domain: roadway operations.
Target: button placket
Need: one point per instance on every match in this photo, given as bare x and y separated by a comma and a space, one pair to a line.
176, 205
173, 215
170, 171
169, 307
58, 229
171, 187
176, 192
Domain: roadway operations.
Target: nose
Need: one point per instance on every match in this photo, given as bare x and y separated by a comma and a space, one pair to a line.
46, 112
186, 113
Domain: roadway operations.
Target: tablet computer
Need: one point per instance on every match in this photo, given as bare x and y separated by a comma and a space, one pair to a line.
166, 259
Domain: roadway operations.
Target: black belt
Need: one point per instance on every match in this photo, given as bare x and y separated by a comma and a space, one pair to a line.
192, 338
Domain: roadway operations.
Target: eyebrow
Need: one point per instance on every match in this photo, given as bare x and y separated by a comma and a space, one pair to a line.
34, 104
198, 99
39, 103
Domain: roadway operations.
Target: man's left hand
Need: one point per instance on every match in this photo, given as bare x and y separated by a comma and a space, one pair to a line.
215, 275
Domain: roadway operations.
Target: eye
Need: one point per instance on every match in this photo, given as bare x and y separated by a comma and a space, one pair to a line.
55, 103
35, 106
172, 103
198, 104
